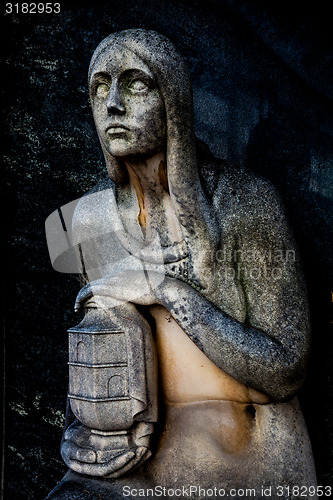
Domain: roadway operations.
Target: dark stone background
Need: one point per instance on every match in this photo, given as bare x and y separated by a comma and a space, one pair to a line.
263, 97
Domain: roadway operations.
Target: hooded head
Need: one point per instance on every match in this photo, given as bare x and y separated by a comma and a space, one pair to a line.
173, 84
156, 56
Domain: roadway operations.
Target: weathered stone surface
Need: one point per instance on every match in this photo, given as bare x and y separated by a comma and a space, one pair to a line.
276, 120
232, 334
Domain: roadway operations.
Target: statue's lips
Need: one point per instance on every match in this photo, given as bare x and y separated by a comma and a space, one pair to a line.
116, 130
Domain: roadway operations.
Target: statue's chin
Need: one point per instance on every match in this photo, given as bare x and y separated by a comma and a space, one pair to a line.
122, 148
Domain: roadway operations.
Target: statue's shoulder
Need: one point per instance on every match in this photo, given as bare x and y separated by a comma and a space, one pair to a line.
93, 208
223, 180
234, 189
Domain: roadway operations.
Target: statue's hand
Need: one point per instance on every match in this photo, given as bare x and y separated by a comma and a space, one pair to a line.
87, 453
137, 287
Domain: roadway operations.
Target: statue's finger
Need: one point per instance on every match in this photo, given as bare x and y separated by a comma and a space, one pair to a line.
139, 461
85, 293
142, 454
70, 451
120, 461
107, 469
104, 456
140, 457
140, 451
87, 469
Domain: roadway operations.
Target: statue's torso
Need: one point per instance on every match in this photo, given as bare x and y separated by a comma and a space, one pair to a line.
187, 374
211, 419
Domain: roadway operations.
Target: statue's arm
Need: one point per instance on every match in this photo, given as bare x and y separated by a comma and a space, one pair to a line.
272, 362
269, 350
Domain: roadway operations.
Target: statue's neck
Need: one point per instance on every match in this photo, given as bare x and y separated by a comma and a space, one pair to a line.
148, 176
148, 183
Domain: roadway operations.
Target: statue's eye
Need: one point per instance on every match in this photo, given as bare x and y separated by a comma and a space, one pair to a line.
102, 90
137, 85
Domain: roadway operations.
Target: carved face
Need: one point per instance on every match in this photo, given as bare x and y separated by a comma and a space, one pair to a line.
127, 106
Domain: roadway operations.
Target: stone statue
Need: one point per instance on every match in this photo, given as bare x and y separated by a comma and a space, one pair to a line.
191, 283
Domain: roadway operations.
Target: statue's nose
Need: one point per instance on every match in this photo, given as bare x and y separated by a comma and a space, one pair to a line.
115, 101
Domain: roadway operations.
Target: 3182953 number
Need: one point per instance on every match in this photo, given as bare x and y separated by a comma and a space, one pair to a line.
304, 491
33, 8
